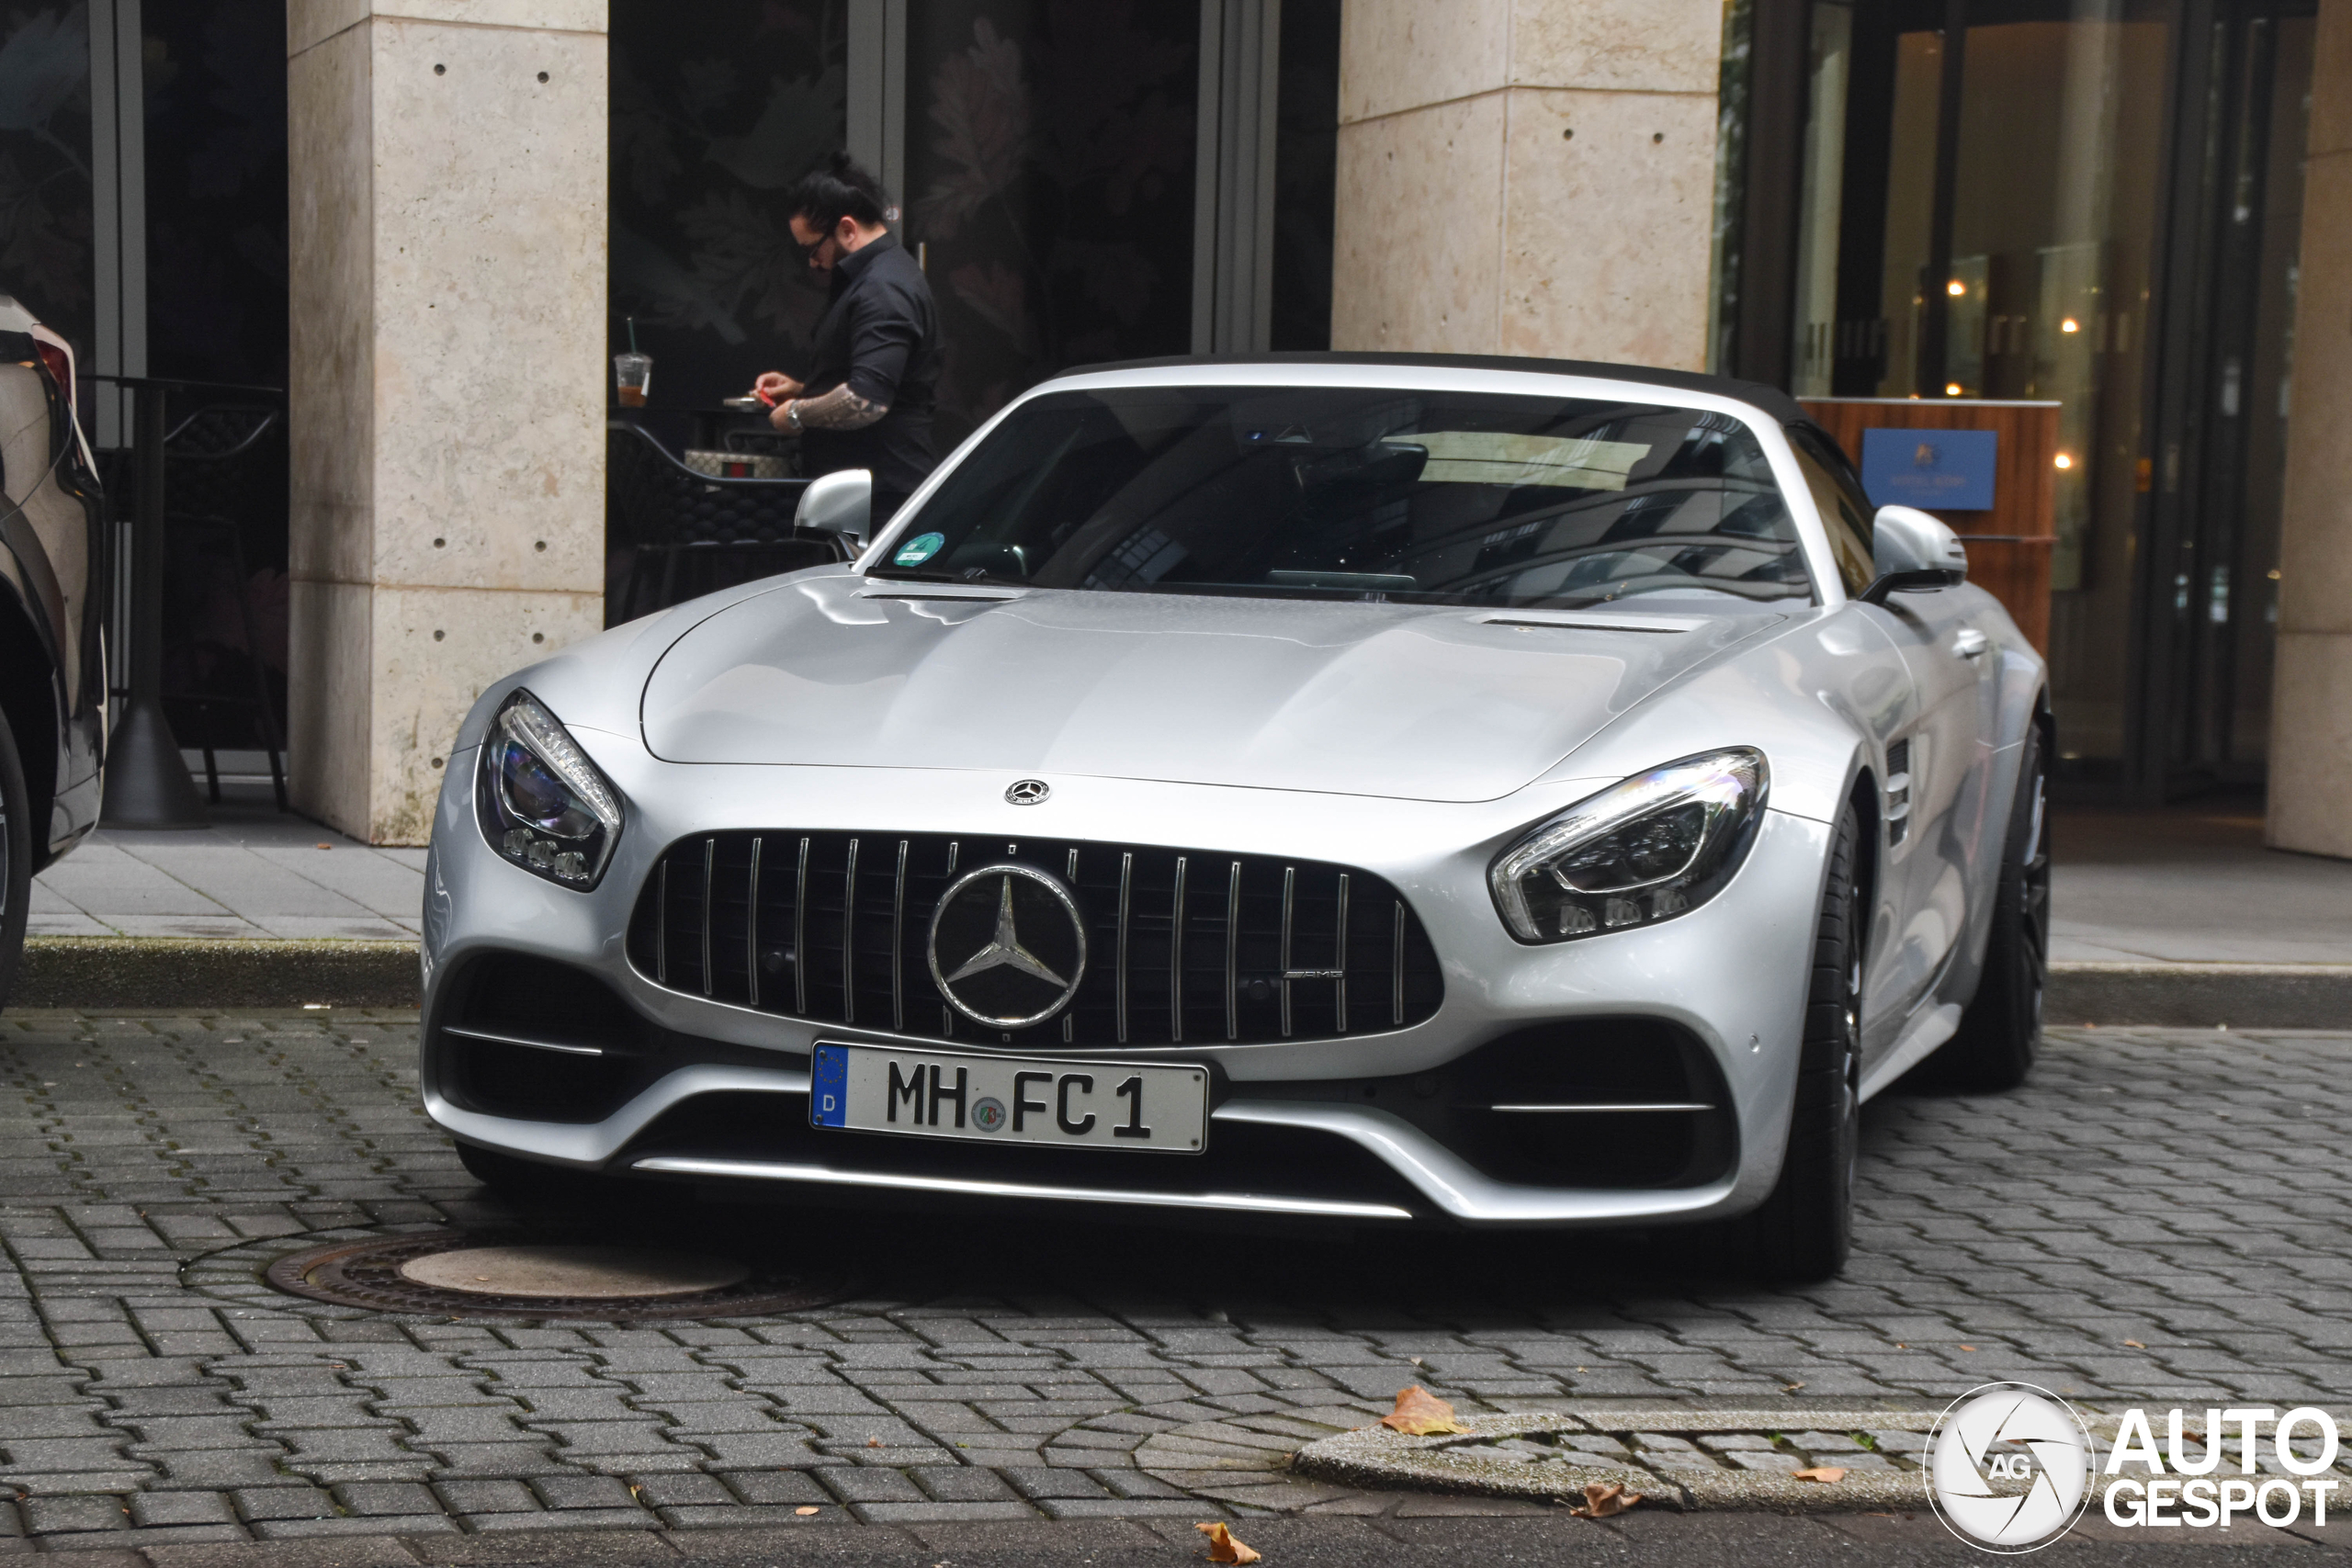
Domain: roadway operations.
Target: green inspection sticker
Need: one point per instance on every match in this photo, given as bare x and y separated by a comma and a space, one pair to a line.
918, 549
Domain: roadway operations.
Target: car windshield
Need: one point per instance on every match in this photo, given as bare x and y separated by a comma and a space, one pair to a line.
1467, 498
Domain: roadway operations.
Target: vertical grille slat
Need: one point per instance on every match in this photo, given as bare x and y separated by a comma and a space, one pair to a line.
752, 924
1256, 953
897, 944
710, 867
848, 937
1290, 910
1233, 954
1339, 960
1176, 958
800, 936
661, 925
1126, 888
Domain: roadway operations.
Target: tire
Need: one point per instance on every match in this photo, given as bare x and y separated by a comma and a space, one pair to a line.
16, 859
1804, 1230
2000, 1032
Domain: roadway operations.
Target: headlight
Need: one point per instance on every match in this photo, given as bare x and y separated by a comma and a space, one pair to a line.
542, 803
1636, 854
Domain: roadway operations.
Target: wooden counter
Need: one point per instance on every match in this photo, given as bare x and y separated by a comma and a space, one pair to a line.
2008, 547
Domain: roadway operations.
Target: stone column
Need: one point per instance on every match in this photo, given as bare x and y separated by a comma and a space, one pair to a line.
2311, 725
448, 171
1527, 176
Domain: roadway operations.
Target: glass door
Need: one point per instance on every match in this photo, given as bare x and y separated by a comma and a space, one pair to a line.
2210, 605
2096, 202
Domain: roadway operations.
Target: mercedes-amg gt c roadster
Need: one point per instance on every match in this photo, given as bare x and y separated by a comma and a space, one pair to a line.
1374, 790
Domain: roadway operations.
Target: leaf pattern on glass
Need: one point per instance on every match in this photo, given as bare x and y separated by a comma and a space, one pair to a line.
999, 296
979, 101
717, 110
1056, 188
44, 162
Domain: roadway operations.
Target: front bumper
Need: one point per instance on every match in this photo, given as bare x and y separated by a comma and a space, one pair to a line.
1727, 981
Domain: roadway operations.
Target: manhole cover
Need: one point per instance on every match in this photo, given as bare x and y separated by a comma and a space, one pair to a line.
464, 1274
586, 1273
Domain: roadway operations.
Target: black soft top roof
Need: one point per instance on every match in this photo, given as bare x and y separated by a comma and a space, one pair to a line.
1772, 399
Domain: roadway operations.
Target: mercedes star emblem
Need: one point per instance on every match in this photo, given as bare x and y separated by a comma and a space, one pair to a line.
1008, 945
1028, 792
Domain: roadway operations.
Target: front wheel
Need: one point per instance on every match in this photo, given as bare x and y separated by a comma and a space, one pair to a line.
1805, 1229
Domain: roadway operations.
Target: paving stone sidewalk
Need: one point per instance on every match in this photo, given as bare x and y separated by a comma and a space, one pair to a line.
2182, 1192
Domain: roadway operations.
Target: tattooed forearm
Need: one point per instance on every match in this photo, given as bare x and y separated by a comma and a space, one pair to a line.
840, 408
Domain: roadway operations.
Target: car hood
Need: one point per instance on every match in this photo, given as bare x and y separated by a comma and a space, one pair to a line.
1404, 700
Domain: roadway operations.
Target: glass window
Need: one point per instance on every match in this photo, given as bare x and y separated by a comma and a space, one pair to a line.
1846, 511
2032, 280
1360, 492
717, 110
1049, 186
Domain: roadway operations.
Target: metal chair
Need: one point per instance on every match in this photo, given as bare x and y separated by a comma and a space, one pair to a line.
691, 534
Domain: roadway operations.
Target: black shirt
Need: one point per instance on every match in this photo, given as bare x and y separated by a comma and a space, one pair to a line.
880, 334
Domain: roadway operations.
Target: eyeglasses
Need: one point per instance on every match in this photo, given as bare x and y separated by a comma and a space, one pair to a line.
809, 252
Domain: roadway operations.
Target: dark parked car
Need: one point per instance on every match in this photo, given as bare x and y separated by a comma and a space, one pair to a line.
52, 593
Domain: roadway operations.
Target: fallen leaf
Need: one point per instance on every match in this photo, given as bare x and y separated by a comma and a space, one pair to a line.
873, 1442
1968, 1346
1222, 1548
326, 846
1827, 1474
1604, 1498
1790, 1387
805, 1511
2135, 1344
1420, 1414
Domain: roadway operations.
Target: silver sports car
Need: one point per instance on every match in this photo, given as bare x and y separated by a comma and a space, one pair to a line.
1377, 790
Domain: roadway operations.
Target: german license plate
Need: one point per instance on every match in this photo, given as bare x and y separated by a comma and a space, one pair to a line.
1008, 1099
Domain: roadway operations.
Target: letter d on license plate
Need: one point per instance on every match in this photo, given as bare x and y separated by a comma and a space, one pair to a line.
1010, 1099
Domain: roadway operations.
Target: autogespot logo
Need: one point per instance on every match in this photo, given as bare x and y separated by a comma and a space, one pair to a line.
2009, 1467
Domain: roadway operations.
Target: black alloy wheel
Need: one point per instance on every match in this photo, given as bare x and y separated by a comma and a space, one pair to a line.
2000, 1032
16, 859
1805, 1229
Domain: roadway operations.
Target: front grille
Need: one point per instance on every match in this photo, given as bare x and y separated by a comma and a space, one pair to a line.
1185, 945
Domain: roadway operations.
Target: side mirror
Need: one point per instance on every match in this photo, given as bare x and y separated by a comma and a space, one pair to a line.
1914, 553
838, 503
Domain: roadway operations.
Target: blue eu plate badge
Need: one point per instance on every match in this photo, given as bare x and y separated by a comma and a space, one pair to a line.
1936, 471
829, 1087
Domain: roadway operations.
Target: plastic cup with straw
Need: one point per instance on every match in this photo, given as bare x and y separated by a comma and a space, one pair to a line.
632, 372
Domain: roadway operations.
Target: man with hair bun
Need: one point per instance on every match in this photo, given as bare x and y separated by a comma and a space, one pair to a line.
867, 400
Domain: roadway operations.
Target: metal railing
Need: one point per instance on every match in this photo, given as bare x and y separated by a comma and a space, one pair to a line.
148, 783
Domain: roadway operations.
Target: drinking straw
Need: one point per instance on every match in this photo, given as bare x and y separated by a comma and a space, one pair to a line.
632, 332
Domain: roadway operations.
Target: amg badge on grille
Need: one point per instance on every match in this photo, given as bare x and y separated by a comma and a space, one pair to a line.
1028, 792
1008, 945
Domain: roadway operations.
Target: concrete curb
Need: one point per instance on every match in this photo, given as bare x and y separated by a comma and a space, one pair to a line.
169, 971
2200, 995
1533, 1457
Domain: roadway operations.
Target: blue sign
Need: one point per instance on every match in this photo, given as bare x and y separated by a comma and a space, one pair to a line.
1935, 470
828, 1088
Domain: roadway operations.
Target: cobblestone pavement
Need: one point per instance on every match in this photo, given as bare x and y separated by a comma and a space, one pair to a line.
2159, 1218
